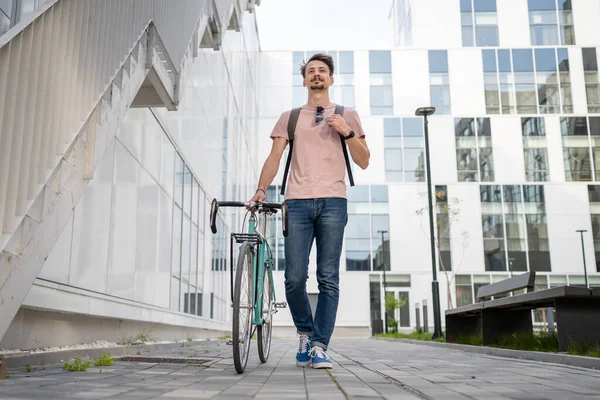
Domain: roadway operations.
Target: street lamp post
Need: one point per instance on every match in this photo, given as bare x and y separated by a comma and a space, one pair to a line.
581, 231
384, 282
435, 287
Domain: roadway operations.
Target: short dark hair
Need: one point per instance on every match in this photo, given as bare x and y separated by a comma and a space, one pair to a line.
326, 58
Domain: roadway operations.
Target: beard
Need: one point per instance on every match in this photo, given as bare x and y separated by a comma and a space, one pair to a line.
317, 84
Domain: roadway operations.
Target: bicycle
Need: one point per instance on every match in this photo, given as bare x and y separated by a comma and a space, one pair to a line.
253, 296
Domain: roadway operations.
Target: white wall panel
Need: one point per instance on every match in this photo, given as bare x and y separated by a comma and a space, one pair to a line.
586, 14
466, 230
362, 91
152, 135
146, 251
409, 232
91, 229
567, 208
436, 24
410, 76
555, 149
356, 304
507, 144
513, 23
123, 225
163, 273
465, 68
375, 172
442, 150
56, 268
577, 80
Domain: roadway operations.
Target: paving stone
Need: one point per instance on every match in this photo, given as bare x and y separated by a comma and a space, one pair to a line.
363, 369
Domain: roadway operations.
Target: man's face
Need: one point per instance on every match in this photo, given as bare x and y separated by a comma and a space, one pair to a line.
317, 76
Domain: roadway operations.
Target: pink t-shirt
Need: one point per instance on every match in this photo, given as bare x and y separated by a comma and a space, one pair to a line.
318, 167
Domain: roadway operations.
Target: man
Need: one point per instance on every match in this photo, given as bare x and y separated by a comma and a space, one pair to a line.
317, 205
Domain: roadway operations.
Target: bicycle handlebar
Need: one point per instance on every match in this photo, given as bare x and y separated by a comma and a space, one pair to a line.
214, 209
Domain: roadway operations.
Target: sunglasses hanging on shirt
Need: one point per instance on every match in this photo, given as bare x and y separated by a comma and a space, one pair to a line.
319, 116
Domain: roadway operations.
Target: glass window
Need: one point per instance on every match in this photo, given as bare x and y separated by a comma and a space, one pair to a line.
391, 127
298, 60
414, 159
187, 190
346, 63
348, 96
590, 61
468, 37
412, 127
573, 126
545, 60
381, 96
536, 164
489, 61
299, 94
466, 6
380, 223
393, 159
379, 194
522, 60
440, 99
533, 126
358, 226
358, 194
179, 180
381, 100
487, 35
464, 290
438, 61
358, 260
484, 5
380, 62
541, 4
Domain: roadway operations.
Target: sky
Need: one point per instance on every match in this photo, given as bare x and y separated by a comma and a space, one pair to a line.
324, 24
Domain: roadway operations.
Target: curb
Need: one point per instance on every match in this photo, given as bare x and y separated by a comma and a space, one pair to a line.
565, 359
20, 359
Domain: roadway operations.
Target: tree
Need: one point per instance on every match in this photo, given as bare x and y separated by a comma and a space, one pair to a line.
452, 208
392, 304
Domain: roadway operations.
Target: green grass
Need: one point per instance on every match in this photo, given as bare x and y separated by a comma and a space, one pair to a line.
105, 360
583, 350
77, 365
472, 340
542, 341
419, 335
539, 341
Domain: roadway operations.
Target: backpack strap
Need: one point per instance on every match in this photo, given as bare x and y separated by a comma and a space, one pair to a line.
291, 129
340, 110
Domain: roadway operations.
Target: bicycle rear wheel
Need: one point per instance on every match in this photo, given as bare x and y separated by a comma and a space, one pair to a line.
242, 308
264, 330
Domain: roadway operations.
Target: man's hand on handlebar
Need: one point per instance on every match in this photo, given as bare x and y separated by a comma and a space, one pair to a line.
259, 197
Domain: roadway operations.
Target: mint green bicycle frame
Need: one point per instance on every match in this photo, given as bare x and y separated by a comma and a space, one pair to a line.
259, 259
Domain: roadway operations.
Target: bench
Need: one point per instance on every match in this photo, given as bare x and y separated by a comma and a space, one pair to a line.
577, 312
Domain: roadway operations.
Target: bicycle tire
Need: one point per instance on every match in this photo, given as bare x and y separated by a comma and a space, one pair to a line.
240, 337
264, 331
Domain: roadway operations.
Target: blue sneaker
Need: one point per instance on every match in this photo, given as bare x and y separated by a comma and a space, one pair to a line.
319, 358
303, 358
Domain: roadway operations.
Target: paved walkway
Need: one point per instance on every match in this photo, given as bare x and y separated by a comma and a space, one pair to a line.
362, 369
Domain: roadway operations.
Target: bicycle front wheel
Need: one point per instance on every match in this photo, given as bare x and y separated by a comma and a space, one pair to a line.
242, 308
264, 330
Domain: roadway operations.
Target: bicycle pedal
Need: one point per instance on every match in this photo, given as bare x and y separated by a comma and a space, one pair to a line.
282, 304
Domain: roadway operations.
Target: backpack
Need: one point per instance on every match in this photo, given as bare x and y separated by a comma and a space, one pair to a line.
291, 129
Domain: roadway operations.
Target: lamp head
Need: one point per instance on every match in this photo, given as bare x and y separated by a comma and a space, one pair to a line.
424, 111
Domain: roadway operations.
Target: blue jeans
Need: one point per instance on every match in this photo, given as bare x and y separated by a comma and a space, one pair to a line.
323, 220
